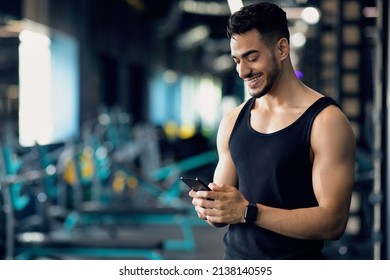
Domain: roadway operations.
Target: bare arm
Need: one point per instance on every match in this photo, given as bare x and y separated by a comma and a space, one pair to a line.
225, 172
333, 150
333, 146
224, 182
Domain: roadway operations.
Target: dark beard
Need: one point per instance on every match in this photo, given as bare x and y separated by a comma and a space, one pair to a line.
263, 92
275, 71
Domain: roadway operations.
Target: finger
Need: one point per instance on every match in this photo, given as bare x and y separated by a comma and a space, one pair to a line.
198, 194
221, 188
197, 201
214, 219
215, 187
192, 193
201, 216
201, 211
202, 194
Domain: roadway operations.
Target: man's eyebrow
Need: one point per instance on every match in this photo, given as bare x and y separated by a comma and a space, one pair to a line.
246, 54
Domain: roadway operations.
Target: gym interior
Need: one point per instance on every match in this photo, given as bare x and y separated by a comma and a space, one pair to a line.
125, 96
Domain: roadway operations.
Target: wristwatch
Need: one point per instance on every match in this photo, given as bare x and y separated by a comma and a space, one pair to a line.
250, 214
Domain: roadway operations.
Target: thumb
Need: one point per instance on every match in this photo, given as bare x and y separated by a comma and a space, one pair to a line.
218, 188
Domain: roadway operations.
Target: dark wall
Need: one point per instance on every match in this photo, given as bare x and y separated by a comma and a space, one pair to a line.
114, 47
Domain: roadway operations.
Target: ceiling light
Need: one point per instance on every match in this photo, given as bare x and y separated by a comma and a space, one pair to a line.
193, 37
310, 15
223, 63
235, 5
298, 39
205, 7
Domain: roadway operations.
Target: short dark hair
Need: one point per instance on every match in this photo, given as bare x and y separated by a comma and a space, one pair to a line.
269, 19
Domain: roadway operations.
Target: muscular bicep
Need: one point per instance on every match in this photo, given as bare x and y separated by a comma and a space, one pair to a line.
333, 145
225, 172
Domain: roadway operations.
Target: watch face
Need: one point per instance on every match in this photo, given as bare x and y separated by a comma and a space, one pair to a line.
251, 213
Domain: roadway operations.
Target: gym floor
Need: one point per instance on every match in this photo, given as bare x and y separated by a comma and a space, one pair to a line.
209, 243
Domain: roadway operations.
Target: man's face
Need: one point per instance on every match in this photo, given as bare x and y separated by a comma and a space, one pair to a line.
255, 62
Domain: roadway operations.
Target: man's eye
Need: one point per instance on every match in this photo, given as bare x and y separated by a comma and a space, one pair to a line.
252, 59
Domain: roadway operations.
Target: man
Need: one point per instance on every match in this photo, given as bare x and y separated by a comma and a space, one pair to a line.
285, 173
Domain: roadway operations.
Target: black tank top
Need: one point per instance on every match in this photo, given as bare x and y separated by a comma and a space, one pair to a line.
275, 170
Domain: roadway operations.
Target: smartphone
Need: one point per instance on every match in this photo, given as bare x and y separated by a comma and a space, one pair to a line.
195, 183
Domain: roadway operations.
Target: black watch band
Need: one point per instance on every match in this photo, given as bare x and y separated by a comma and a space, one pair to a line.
250, 213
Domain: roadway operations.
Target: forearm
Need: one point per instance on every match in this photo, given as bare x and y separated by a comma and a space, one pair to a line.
304, 223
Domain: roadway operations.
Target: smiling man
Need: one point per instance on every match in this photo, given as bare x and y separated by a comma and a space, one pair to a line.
286, 165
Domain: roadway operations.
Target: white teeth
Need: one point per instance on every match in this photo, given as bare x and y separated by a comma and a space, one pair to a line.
253, 79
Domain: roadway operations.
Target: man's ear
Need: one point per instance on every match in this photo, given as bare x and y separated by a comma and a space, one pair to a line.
283, 48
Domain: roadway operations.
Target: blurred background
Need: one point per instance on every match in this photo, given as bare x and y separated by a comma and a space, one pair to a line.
105, 104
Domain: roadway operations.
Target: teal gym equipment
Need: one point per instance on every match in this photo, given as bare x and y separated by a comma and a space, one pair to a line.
55, 243
95, 210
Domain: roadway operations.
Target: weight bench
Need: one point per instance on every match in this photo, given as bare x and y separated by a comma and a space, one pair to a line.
31, 244
92, 213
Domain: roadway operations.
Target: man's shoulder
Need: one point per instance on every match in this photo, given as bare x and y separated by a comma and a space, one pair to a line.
332, 112
232, 115
332, 120
229, 119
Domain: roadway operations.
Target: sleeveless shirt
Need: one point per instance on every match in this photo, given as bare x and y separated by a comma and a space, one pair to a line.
275, 170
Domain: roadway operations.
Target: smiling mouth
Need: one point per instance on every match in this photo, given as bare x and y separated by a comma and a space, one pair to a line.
252, 81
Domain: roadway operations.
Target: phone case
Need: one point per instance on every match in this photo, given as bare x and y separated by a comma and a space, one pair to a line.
195, 183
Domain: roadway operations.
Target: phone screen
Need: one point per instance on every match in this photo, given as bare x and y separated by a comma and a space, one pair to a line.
195, 183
